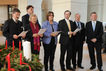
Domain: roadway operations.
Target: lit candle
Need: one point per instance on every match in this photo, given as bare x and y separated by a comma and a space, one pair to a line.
19, 45
20, 58
13, 45
6, 45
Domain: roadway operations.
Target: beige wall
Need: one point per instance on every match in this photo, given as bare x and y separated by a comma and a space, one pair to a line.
79, 6
3, 14
104, 11
84, 7
97, 6
59, 6
22, 6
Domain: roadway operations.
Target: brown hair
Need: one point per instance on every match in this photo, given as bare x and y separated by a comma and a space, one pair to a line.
16, 10
67, 11
48, 14
29, 6
93, 13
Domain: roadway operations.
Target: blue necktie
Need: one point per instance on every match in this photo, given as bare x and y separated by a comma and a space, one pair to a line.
78, 24
93, 24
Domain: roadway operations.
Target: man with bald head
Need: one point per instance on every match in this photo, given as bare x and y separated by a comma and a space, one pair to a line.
79, 38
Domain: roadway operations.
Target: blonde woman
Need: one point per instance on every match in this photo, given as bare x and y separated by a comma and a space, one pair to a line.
33, 28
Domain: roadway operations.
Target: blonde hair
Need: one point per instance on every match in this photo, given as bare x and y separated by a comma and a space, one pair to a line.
32, 15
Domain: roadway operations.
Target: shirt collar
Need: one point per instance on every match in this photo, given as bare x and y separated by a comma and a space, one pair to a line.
66, 19
94, 22
54, 23
14, 20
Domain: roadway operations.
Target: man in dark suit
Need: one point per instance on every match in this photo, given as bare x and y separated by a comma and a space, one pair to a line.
25, 18
12, 28
25, 21
94, 32
79, 38
66, 39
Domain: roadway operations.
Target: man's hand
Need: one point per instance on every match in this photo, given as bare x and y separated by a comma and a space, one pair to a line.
15, 36
24, 36
54, 34
94, 40
70, 33
74, 33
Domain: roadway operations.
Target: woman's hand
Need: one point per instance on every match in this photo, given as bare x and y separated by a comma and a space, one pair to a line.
35, 35
41, 35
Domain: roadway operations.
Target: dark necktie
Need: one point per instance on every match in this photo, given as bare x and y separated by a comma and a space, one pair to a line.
52, 27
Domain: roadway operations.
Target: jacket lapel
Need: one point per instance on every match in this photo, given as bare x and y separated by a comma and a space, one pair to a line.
65, 23
91, 26
96, 25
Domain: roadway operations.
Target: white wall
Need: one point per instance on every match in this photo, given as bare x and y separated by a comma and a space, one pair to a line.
104, 11
79, 6
59, 6
3, 14
22, 4
75, 6
37, 8
97, 6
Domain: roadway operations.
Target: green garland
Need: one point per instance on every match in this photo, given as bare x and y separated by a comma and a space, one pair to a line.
15, 60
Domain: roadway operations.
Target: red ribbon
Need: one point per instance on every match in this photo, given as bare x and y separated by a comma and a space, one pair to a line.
23, 62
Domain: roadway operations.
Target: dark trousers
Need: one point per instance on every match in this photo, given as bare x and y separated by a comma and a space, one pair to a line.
77, 50
66, 48
92, 55
49, 52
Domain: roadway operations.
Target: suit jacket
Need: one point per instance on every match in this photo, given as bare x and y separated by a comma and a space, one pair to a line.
10, 28
94, 34
47, 35
62, 26
25, 21
81, 34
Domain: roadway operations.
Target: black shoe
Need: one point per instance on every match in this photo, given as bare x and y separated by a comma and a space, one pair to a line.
81, 67
63, 70
52, 70
46, 70
100, 69
92, 67
70, 68
74, 67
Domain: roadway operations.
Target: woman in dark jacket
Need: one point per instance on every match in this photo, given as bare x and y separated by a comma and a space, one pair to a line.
33, 28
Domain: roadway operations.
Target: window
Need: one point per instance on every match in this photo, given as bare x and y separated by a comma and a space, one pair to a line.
10, 8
